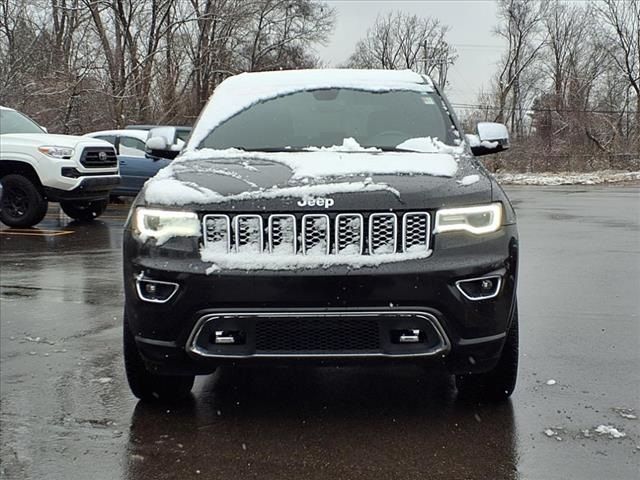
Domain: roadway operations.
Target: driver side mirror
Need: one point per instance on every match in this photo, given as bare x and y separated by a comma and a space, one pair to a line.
491, 138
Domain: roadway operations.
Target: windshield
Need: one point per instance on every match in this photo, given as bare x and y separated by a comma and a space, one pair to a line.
325, 118
14, 122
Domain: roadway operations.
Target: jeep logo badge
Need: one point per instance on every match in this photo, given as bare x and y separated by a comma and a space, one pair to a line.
316, 202
102, 156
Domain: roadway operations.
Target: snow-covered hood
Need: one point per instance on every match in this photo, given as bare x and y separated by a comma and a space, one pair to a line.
48, 139
353, 180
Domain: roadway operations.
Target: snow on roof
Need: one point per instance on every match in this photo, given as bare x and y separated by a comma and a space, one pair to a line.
239, 92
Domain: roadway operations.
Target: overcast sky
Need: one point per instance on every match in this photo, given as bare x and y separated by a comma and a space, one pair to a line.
471, 25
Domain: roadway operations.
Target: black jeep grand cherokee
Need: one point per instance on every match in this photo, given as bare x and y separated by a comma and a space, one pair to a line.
327, 215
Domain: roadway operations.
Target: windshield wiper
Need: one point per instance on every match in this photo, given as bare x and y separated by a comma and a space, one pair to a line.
393, 149
271, 149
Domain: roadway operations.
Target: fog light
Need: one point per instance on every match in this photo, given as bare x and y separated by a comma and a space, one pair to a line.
482, 288
486, 285
155, 291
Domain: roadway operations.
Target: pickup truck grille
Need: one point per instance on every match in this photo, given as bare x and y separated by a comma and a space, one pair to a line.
318, 234
99, 157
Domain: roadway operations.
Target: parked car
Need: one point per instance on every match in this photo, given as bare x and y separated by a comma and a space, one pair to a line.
136, 165
325, 216
37, 167
181, 132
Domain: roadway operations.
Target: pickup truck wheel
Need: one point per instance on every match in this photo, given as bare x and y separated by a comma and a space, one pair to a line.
499, 383
22, 203
84, 211
147, 386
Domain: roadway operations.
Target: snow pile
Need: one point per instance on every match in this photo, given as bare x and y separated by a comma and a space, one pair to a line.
239, 92
610, 430
469, 180
334, 162
274, 261
175, 192
348, 145
567, 178
627, 413
429, 145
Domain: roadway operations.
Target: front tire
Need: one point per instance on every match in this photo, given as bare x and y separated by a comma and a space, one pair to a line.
84, 211
147, 386
499, 383
23, 205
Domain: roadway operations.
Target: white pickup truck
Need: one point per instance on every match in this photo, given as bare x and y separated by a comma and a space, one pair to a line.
37, 167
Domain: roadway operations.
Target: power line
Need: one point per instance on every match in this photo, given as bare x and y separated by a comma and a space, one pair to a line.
548, 110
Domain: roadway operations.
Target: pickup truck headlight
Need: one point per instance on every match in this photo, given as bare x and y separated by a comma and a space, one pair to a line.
57, 152
165, 224
477, 220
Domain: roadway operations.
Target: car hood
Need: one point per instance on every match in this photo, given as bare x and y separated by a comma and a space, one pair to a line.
279, 182
48, 139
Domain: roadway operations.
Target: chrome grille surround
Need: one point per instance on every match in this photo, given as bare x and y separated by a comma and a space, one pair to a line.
416, 231
248, 234
349, 232
319, 234
283, 234
383, 233
315, 233
217, 232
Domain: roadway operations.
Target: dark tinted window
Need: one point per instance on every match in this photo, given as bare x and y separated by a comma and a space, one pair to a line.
14, 122
326, 117
131, 142
107, 138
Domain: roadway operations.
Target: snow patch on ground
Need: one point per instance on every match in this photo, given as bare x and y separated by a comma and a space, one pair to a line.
610, 431
266, 261
551, 382
567, 178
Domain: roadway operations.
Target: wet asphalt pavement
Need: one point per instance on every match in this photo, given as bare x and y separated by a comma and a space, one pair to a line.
66, 411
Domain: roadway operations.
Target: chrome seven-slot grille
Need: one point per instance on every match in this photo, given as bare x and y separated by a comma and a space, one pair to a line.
318, 234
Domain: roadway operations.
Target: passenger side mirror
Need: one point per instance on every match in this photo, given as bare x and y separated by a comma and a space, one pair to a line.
163, 142
491, 138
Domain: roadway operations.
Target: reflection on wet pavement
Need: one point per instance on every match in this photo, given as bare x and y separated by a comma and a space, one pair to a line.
67, 413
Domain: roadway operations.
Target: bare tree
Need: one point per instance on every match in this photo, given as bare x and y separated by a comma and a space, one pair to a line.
623, 37
521, 28
402, 41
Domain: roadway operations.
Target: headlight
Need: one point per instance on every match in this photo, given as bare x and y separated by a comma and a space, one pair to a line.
165, 224
57, 152
476, 220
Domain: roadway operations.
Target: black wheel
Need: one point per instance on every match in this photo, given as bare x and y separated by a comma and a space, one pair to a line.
22, 203
85, 211
499, 383
146, 385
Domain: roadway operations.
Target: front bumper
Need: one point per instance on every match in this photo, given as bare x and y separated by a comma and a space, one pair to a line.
88, 189
472, 331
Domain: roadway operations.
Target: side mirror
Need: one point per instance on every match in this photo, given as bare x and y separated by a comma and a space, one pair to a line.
157, 147
157, 143
162, 143
491, 138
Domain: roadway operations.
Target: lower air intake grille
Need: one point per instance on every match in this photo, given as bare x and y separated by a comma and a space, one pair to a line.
317, 335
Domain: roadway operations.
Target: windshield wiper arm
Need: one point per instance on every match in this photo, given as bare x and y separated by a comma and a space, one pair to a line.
271, 149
